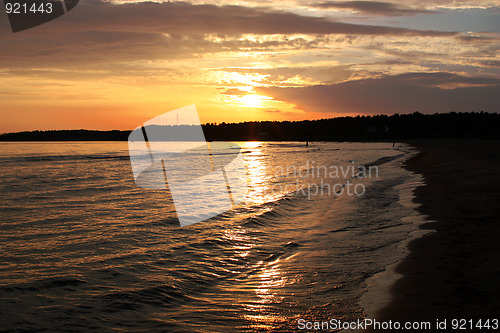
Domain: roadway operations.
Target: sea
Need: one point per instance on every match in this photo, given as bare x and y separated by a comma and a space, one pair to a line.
84, 248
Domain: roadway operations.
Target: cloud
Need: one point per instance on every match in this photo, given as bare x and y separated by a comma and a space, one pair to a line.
102, 32
297, 76
373, 8
405, 93
491, 63
234, 92
79, 49
185, 19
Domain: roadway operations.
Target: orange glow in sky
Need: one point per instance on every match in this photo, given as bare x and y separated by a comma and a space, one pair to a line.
113, 65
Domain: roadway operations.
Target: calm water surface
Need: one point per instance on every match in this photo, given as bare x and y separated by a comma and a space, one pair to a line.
85, 249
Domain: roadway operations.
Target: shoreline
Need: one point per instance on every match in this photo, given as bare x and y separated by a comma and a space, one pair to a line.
378, 295
451, 273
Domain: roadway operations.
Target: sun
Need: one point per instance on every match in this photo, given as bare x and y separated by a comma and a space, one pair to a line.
252, 101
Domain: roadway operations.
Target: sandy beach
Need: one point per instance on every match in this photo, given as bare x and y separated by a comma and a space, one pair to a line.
452, 272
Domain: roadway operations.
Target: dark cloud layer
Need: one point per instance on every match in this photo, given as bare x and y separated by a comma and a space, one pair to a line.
405, 93
184, 19
100, 32
373, 8
491, 63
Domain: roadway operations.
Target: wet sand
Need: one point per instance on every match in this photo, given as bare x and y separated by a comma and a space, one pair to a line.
454, 271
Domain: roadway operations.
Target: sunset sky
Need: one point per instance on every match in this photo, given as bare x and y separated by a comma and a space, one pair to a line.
116, 64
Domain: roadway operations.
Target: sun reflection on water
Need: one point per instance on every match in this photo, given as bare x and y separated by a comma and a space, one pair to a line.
262, 311
270, 279
258, 174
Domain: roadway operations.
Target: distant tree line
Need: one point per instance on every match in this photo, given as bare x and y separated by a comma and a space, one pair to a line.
66, 135
453, 125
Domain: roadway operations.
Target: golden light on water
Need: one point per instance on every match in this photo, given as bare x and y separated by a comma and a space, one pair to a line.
270, 279
256, 172
252, 144
261, 311
259, 175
